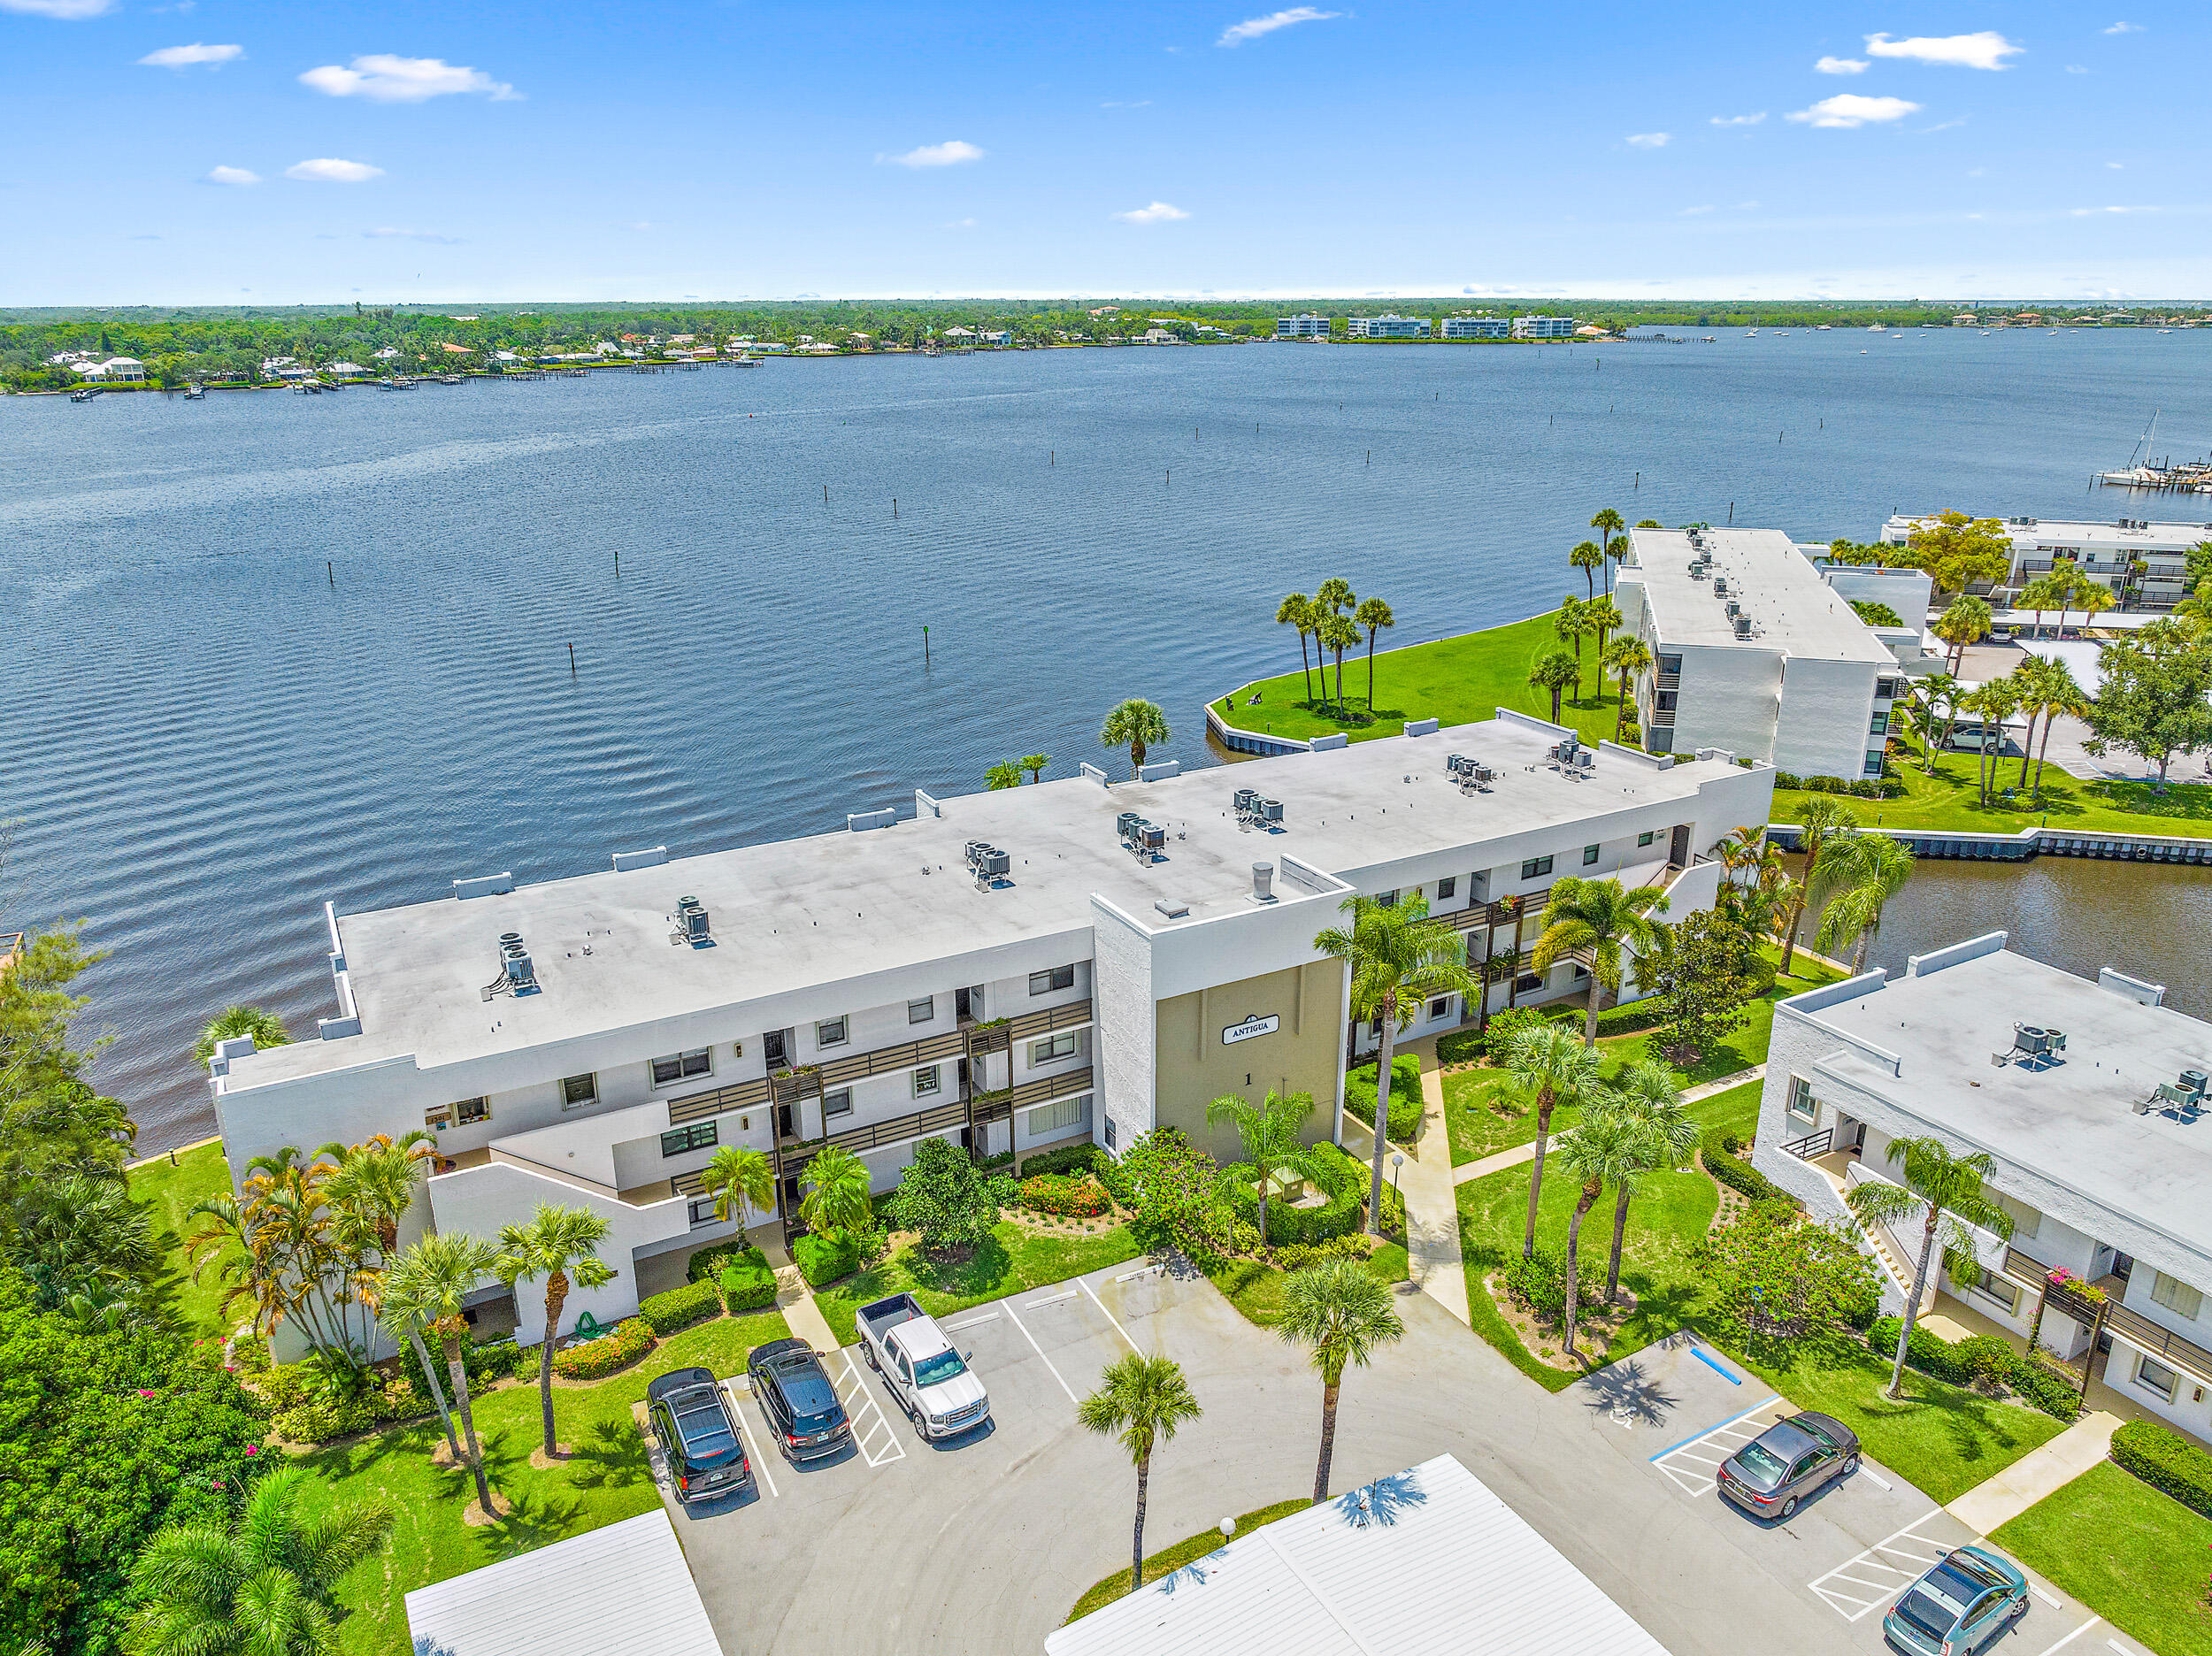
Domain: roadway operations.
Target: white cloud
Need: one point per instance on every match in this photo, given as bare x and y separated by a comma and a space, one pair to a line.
1158, 212
2092, 212
952, 152
1946, 125
1252, 28
1139, 104
386, 233
67, 9
185, 57
327, 171
1848, 108
383, 78
960, 224
2117, 165
1739, 120
232, 175
1841, 66
2125, 28
1650, 141
1986, 49
1692, 212
2076, 69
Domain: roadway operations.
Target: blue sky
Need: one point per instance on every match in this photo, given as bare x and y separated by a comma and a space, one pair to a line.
331, 151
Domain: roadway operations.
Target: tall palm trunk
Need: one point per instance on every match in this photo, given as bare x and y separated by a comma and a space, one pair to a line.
1303, 667
1590, 1012
1613, 1265
1590, 1193
1330, 1385
1389, 1010
2028, 741
1896, 1387
556, 1293
1371, 672
1536, 1177
437, 1391
1797, 911
451, 1335
1620, 718
1136, 1540
2041, 754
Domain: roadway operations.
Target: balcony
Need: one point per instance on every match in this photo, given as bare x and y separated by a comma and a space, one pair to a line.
2108, 1313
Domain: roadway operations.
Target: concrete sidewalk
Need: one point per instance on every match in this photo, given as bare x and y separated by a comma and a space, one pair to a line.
794, 1298
1519, 1154
2034, 1475
1434, 1263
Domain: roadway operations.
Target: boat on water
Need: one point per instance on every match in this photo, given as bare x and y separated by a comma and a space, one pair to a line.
193, 393
84, 394
1820, 328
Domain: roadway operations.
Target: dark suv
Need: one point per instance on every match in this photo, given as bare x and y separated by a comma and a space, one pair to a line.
698, 1436
797, 1398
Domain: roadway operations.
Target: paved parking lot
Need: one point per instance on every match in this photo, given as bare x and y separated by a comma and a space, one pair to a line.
982, 1543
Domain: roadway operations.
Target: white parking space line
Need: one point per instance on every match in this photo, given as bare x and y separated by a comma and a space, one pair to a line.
752, 1444
1873, 1477
974, 1322
1864, 1583
2044, 1596
2076, 1634
877, 1444
1040, 1350
1690, 1465
1110, 1317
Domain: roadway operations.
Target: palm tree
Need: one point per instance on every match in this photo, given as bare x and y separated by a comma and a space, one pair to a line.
1608, 525
1965, 623
266, 1029
1137, 725
2053, 589
1628, 657
1337, 633
1595, 918
1269, 1134
1140, 1401
836, 1199
1373, 615
1647, 1095
378, 1179
1865, 871
1604, 1149
1004, 774
1034, 763
1573, 623
263, 1586
1818, 817
1334, 594
1399, 958
405, 1309
1341, 1313
1589, 557
1993, 703
556, 1241
1546, 1060
2092, 598
1554, 671
1950, 1188
1297, 612
437, 1274
2056, 693
1939, 692
737, 1177
1603, 616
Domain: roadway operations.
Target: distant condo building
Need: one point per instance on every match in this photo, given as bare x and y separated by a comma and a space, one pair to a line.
1477, 328
1757, 650
1543, 327
1387, 327
1304, 326
2106, 553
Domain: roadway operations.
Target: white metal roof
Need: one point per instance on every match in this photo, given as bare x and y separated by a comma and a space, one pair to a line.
621, 1591
1427, 1560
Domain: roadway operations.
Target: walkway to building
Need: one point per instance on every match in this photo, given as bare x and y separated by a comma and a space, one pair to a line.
1520, 1154
1434, 1263
2041, 1472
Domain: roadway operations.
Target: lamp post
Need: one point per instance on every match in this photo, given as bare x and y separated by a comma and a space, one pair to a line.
1397, 1161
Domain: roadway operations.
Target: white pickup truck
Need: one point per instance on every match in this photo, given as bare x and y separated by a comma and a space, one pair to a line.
931, 1380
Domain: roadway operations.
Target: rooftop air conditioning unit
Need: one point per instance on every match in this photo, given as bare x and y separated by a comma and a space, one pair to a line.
1743, 626
1733, 609
691, 921
514, 960
1126, 823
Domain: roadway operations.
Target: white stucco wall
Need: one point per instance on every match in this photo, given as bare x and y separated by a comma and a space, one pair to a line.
1826, 707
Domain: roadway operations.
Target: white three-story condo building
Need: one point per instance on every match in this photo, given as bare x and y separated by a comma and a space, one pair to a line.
1015, 969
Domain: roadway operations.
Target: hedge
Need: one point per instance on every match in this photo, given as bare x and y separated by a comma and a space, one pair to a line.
1352, 1245
708, 1263
1287, 1224
680, 1308
494, 1360
1740, 1176
1405, 1097
824, 1257
2166, 1460
595, 1360
1979, 1359
1075, 1158
1082, 1198
1393, 1202
1927, 1351
747, 1288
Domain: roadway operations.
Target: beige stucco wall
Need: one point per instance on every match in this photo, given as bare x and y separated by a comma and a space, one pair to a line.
1304, 1055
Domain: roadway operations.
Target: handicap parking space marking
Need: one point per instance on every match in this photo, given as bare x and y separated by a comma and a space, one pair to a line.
1866, 1582
736, 1389
1690, 1465
872, 1434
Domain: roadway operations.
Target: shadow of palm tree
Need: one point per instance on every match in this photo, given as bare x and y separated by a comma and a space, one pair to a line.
1626, 1391
1384, 1501
538, 1518
611, 1457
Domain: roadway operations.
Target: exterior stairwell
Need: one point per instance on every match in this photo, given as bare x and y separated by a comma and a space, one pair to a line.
1896, 1268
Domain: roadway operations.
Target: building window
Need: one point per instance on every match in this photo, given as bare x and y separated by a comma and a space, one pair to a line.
2154, 1377
1643, 839
1110, 1132
921, 1011
1874, 764
928, 1081
1388, 899
578, 1091
1061, 1116
684, 1141
1880, 726
468, 1112
1439, 1007
2025, 1220
1666, 701
830, 1033
682, 1066
1527, 981
1449, 886
1589, 855
2000, 1292
2178, 1297
1051, 1049
1046, 982
1535, 866
1802, 1105
1669, 663
837, 1103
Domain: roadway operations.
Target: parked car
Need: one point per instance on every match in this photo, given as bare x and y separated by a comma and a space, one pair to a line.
799, 1400
931, 1380
1960, 1607
698, 1436
1773, 1473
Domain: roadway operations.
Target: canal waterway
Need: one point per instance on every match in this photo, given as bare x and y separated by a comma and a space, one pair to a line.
266, 650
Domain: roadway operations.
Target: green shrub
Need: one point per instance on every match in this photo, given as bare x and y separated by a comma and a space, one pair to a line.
1341, 1181
747, 1288
2047, 1390
680, 1308
708, 1262
1244, 1238
493, 1361
283, 1387
1538, 1285
1351, 1244
1460, 1045
2166, 1460
824, 1257
1927, 1351
1989, 1362
322, 1420
1738, 1175
629, 1340
1082, 1198
1075, 1158
1405, 1097
1506, 1025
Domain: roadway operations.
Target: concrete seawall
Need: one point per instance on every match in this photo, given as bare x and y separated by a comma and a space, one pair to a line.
2031, 842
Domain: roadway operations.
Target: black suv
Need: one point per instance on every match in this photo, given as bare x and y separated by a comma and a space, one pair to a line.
797, 1398
698, 1436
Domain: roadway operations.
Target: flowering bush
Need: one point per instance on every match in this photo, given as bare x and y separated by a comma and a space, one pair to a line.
1081, 1198
596, 1358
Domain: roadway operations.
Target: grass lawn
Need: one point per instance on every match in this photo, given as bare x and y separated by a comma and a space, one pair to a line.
1460, 680
1012, 1260
2134, 1555
169, 1193
1950, 798
1256, 1290
608, 1479
1174, 1558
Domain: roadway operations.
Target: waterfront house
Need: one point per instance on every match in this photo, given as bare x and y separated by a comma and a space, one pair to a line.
1007, 971
114, 371
2089, 1098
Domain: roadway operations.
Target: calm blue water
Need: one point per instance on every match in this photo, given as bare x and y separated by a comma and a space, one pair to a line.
205, 737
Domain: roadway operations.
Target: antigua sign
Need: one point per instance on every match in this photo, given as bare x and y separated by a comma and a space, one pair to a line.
1251, 1029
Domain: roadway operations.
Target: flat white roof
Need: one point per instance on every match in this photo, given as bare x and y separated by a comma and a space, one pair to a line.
2028, 532
1424, 1563
623, 1590
1791, 609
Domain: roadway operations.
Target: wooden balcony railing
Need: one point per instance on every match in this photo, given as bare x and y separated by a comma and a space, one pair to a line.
2130, 1325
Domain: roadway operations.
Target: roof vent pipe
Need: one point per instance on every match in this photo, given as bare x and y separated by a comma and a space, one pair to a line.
1262, 882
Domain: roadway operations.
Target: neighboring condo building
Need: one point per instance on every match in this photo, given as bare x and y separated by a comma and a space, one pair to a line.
1543, 327
2143, 565
1756, 651
1304, 326
1387, 327
1477, 328
594, 1040
2090, 1111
